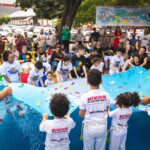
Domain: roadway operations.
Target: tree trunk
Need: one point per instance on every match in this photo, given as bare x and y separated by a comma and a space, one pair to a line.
70, 11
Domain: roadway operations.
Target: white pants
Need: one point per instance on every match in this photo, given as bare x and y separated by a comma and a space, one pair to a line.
106, 58
94, 138
117, 142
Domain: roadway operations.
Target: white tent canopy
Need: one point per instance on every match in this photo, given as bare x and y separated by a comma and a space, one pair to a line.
28, 13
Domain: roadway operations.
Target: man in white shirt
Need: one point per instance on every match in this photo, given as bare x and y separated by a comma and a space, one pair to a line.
79, 37
145, 40
50, 39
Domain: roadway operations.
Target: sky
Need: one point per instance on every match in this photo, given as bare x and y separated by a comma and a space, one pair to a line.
7, 1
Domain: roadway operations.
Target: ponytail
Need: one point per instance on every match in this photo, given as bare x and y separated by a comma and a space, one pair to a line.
128, 99
135, 99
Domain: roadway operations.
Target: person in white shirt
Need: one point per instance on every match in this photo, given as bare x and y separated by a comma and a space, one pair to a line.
49, 81
79, 37
36, 74
145, 39
42, 40
58, 129
120, 117
64, 69
94, 108
50, 38
11, 68
97, 64
116, 64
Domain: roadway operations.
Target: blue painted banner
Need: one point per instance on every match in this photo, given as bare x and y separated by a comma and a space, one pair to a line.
123, 16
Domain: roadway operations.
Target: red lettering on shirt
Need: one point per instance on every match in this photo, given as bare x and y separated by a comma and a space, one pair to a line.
96, 98
58, 130
124, 116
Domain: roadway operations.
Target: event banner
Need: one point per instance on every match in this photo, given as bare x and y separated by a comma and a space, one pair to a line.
123, 16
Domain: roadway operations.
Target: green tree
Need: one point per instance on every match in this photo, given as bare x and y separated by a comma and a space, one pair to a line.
64, 9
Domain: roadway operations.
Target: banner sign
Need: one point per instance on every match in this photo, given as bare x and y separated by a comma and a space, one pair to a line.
123, 16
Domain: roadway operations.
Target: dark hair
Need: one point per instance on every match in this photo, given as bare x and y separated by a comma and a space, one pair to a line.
66, 58
136, 55
94, 29
58, 46
59, 105
95, 59
117, 31
128, 99
6, 54
143, 48
94, 77
119, 50
81, 47
39, 65
49, 72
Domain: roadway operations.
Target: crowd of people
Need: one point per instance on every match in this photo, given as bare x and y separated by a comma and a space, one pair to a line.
24, 55
56, 62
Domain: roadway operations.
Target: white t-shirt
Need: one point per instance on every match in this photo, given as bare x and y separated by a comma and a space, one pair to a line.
95, 103
50, 39
41, 39
57, 137
35, 76
98, 67
62, 68
48, 83
145, 39
120, 117
78, 36
117, 61
11, 70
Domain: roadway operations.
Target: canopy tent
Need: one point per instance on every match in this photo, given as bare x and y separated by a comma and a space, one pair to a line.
20, 13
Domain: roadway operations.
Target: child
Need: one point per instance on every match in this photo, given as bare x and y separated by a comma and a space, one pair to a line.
97, 64
11, 68
36, 74
117, 63
58, 129
25, 60
64, 69
25, 56
94, 106
120, 117
49, 81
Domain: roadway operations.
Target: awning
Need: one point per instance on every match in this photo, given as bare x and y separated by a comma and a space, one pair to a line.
25, 20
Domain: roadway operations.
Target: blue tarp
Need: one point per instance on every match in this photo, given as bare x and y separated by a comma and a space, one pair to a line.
136, 79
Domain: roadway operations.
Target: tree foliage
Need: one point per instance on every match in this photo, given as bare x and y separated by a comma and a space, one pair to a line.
4, 19
46, 9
